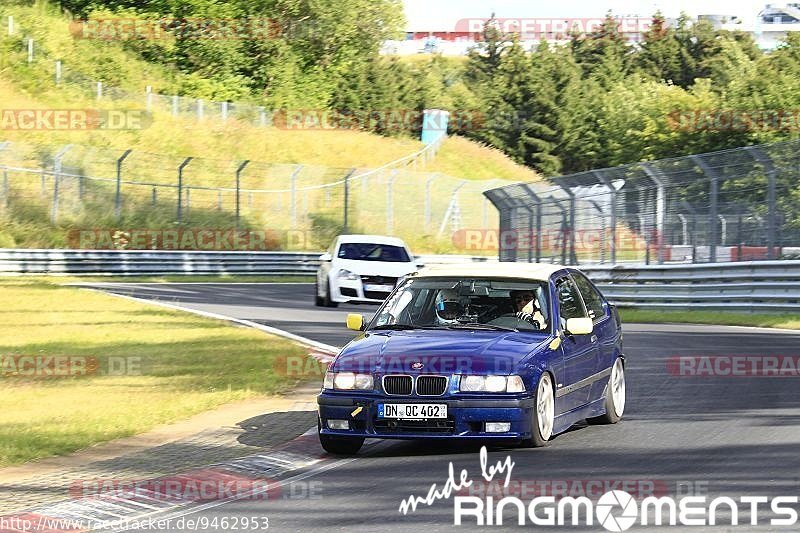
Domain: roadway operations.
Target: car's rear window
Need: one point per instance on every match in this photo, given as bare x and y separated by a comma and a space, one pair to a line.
362, 251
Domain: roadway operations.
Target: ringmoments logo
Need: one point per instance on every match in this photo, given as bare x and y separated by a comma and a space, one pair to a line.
614, 510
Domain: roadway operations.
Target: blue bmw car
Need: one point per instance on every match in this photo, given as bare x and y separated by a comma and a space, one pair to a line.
505, 351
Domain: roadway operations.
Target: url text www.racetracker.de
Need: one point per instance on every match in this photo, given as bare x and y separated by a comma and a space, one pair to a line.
36, 523
619, 505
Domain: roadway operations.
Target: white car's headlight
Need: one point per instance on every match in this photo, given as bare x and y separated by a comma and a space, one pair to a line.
491, 384
346, 274
347, 381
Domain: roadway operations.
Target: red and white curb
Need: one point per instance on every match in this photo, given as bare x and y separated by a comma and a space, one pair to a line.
258, 477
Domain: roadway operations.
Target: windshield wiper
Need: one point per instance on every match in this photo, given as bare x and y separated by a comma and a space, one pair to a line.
476, 325
396, 327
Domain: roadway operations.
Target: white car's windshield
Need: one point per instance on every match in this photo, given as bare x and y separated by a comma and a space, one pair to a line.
362, 251
492, 304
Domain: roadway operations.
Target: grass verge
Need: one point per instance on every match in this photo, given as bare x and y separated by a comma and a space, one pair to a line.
720, 318
171, 365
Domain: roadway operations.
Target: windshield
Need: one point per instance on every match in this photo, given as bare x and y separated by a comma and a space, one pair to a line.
363, 251
453, 303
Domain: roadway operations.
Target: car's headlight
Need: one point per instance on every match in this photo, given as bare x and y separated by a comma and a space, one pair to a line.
347, 381
346, 274
491, 384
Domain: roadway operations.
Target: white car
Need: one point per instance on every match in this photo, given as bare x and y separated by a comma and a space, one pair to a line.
362, 268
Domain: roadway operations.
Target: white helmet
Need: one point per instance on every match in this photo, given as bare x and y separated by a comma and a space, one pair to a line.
448, 306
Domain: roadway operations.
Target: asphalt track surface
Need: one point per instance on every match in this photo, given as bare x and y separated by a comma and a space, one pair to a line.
734, 436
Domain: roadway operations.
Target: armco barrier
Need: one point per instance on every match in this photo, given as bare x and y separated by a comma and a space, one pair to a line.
163, 262
743, 286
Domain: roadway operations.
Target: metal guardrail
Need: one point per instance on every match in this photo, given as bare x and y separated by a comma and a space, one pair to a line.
165, 262
744, 286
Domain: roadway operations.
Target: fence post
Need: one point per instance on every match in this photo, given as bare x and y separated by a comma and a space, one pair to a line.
148, 98
199, 108
99, 90
293, 195
758, 154
239, 188
613, 201
262, 116
10, 25
58, 72
661, 208
30, 50
175, 105
224, 111
155, 195
538, 201
56, 178
713, 222
347, 199
118, 192
573, 257
180, 187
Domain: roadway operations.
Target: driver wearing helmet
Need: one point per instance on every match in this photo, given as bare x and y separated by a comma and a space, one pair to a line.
448, 307
527, 307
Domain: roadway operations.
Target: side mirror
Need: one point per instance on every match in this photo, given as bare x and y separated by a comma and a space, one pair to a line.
325, 257
355, 322
579, 326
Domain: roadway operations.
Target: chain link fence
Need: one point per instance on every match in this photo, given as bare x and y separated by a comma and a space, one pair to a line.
731, 205
305, 206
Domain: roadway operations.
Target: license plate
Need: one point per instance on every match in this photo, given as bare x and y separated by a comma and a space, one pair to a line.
412, 411
378, 288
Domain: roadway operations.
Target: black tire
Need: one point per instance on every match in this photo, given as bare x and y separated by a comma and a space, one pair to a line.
538, 440
318, 300
341, 445
613, 412
327, 302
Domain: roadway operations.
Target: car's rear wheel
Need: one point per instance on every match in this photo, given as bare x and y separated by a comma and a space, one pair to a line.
341, 445
543, 413
615, 396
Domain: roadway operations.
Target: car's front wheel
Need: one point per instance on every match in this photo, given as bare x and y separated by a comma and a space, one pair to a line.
341, 445
318, 300
544, 413
615, 396
327, 301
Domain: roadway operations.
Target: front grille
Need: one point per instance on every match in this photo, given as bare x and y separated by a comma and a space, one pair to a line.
399, 385
431, 385
375, 295
379, 280
414, 426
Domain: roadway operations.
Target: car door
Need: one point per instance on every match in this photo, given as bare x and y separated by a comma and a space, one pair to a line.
606, 329
580, 351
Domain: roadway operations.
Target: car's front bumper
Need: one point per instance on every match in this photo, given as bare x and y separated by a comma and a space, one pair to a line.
466, 417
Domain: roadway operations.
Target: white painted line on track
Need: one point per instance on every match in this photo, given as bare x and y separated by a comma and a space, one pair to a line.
248, 323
